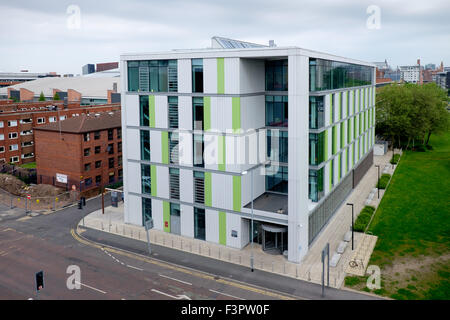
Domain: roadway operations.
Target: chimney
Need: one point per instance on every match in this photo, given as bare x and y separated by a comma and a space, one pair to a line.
272, 43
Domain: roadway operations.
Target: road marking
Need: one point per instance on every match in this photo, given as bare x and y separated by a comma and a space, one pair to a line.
178, 297
186, 270
224, 294
135, 268
24, 218
161, 275
101, 291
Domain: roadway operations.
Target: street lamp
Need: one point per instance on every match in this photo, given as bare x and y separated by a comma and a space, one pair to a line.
378, 183
351, 204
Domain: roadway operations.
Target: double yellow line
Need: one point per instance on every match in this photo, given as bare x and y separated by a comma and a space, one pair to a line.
194, 273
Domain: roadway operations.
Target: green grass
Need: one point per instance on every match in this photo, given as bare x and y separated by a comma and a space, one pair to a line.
30, 165
413, 219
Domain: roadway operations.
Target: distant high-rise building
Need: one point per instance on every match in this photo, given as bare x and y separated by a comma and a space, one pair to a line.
430, 66
88, 68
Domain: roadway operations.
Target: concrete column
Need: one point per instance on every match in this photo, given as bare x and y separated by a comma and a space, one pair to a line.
298, 69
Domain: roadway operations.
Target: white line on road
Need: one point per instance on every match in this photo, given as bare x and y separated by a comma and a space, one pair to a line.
135, 268
179, 297
101, 291
161, 275
224, 294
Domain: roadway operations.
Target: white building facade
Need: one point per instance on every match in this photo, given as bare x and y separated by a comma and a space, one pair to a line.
210, 133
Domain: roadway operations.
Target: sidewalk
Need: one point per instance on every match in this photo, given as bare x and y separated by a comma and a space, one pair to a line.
311, 267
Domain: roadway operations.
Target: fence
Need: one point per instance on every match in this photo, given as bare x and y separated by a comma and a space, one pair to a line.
26, 175
35, 203
79, 185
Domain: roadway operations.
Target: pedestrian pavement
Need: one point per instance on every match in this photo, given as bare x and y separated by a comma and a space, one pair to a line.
310, 269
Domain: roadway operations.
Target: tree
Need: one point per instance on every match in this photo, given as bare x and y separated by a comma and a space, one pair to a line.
56, 97
410, 112
41, 97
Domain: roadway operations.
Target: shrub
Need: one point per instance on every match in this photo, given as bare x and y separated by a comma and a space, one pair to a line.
395, 158
429, 147
363, 218
420, 148
382, 183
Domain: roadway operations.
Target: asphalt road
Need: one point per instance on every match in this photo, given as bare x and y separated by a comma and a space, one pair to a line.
119, 268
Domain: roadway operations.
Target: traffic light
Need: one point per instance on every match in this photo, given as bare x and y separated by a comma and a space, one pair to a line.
80, 204
39, 280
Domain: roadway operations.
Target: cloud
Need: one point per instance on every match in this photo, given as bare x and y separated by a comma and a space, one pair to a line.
35, 35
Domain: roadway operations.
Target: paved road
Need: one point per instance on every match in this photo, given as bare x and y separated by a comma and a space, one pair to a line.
121, 269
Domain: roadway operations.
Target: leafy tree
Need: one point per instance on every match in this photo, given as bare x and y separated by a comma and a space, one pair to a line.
56, 97
42, 97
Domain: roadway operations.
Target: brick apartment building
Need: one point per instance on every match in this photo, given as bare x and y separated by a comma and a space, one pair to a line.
84, 151
18, 120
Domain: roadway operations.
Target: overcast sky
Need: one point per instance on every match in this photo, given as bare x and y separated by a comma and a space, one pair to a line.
42, 36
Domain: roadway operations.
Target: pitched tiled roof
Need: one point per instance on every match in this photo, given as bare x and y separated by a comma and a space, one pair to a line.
85, 123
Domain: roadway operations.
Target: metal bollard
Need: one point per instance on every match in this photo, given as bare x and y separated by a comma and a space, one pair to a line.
284, 268
296, 272
209, 251
172, 243
229, 256
102, 225
219, 253
181, 244
272, 266
240, 259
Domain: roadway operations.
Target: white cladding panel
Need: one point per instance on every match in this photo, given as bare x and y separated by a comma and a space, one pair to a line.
231, 75
134, 177
210, 75
187, 221
155, 146
132, 109
212, 225
162, 174
161, 118
134, 213
184, 76
222, 191
132, 144
245, 232
327, 109
221, 114
185, 149
185, 112
233, 224
186, 185
252, 112
252, 75
157, 214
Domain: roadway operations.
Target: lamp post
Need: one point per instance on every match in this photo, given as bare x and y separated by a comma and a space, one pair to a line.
378, 183
351, 204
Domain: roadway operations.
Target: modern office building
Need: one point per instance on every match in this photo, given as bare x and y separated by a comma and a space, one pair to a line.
217, 138
88, 68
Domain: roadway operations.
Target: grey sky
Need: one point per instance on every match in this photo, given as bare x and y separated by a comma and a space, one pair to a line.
34, 34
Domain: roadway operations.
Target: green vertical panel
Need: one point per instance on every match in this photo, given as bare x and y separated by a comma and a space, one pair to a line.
237, 203
340, 167
342, 135
151, 104
349, 132
208, 189
153, 180
325, 144
164, 147
353, 154
220, 76
236, 113
166, 216
222, 156
207, 113
334, 140
223, 228
346, 159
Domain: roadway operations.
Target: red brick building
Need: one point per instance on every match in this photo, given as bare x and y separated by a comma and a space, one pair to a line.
17, 142
84, 151
106, 66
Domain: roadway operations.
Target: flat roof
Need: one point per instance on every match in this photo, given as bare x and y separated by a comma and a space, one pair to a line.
270, 202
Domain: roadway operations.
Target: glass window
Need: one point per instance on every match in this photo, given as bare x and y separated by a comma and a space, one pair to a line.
145, 145
197, 75
145, 179
87, 152
146, 210
173, 112
277, 111
98, 163
277, 179
316, 112
173, 147
199, 147
199, 224
144, 111
111, 163
197, 113
97, 149
199, 187
316, 184
174, 182
277, 145
133, 75
316, 148
153, 75
277, 75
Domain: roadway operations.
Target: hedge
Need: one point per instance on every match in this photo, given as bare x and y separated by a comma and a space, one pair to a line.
382, 183
363, 218
395, 158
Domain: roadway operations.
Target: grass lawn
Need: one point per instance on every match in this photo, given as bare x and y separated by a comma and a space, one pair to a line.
30, 165
413, 227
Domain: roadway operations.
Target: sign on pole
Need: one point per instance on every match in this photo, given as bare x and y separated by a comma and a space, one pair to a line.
39, 280
148, 226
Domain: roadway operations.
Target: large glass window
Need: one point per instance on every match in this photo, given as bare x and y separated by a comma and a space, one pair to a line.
316, 148
145, 145
329, 75
174, 183
277, 111
146, 210
199, 147
173, 147
277, 75
277, 145
277, 178
144, 111
173, 112
197, 113
153, 75
199, 187
197, 75
316, 184
146, 179
199, 224
316, 112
